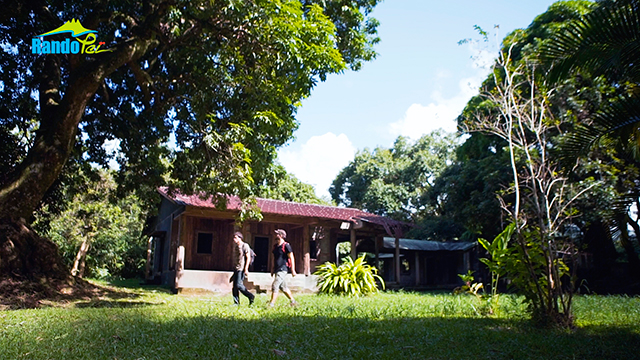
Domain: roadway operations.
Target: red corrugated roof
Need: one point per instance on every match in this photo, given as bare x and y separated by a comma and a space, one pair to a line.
287, 208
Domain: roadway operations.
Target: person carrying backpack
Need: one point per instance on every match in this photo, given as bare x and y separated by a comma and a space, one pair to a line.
242, 259
283, 261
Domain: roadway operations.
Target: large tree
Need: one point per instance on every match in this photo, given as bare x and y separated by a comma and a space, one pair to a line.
203, 91
519, 107
462, 203
391, 181
281, 185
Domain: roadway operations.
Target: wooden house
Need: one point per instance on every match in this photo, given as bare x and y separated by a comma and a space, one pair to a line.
190, 245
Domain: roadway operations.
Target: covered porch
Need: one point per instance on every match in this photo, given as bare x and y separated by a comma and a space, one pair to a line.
422, 263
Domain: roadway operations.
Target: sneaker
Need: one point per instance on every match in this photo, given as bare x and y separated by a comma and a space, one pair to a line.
251, 301
293, 303
270, 305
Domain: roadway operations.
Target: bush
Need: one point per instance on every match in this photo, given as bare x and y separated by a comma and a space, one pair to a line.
350, 278
111, 226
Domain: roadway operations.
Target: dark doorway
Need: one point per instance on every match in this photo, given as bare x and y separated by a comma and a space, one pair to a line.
160, 254
261, 248
158, 258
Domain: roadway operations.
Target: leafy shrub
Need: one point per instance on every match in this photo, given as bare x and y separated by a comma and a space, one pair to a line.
523, 258
470, 287
111, 226
352, 278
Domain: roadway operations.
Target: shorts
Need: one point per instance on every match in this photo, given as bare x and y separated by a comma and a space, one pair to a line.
279, 282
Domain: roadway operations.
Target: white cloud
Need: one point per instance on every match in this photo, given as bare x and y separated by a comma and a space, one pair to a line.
441, 113
319, 160
443, 74
484, 61
483, 51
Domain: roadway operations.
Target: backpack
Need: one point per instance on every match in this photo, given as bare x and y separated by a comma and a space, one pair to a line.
252, 255
288, 261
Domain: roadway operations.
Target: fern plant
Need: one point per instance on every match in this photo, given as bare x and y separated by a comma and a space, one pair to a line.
351, 278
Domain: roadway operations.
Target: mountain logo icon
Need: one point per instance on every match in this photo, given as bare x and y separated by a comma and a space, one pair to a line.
74, 27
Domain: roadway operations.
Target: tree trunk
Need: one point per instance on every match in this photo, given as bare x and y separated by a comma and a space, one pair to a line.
25, 254
25, 187
21, 194
634, 261
632, 256
22, 252
79, 263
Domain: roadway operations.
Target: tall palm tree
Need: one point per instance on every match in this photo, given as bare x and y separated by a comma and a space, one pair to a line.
605, 42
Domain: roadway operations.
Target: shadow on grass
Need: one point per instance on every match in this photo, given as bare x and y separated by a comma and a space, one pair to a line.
291, 334
138, 284
113, 304
18, 293
123, 299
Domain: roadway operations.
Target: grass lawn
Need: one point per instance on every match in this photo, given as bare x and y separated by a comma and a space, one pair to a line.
150, 323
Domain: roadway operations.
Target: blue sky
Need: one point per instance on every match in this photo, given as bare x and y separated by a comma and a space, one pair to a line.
419, 82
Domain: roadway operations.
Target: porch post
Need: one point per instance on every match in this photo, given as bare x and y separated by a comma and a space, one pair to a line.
379, 238
333, 246
417, 261
396, 259
305, 250
467, 262
147, 268
180, 252
179, 266
180, 259
353, 242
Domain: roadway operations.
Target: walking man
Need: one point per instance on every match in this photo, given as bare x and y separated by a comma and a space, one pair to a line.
282, 261
241, 259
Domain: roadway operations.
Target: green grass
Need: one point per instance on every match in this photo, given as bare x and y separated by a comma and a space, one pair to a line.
152, 324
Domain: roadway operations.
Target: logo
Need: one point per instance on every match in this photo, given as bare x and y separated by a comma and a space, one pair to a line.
78, 45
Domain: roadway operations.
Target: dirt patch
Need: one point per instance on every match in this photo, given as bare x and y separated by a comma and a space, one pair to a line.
22, 293
32, 273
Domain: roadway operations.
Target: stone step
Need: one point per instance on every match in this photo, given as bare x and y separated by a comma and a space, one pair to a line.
261, 282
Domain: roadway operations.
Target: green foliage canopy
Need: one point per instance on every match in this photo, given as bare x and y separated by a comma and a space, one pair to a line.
462, 203
280, 185
601, 46
602, 43
391, 181
222, 78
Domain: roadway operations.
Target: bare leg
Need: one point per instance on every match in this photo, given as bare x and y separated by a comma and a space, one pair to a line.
289, 295
280, 284
274, 296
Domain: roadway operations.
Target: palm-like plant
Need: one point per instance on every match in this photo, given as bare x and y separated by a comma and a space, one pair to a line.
352, 278
605, 42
